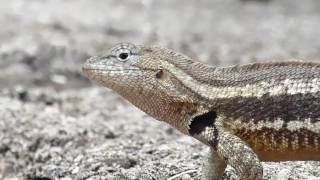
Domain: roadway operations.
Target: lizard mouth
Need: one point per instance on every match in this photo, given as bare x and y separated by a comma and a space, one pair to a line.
93, 71
88, 66
87, 70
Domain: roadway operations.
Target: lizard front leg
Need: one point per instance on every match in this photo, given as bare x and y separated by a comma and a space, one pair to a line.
213, 167
226, 147
239, 155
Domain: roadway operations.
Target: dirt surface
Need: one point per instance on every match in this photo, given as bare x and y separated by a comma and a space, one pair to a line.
55, 124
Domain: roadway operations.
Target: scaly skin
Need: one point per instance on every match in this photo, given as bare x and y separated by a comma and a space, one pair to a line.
244, 113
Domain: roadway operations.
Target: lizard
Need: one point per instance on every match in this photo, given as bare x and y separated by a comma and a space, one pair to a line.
246, 114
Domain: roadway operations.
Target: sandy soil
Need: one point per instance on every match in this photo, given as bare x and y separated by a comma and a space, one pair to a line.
55, 124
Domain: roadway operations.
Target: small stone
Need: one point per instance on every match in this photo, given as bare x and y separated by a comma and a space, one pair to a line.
66, 178
22, 93
75, 170
59, 79
78, 158
283, 174
185, 177
110, 177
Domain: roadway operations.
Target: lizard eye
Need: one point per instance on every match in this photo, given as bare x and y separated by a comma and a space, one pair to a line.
123, 55
124, 52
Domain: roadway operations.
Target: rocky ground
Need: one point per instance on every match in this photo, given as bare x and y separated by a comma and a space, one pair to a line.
55, 124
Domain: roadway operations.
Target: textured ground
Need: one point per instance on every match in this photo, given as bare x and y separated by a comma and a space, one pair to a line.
55, 124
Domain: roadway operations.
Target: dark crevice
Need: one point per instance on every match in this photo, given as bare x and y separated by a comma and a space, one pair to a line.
199, 123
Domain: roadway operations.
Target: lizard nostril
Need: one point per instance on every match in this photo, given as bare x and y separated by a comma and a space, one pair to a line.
92, 59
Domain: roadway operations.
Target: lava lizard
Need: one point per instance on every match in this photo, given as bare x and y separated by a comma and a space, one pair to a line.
245, 113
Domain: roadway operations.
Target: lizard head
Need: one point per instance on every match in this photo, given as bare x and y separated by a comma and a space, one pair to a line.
146, 77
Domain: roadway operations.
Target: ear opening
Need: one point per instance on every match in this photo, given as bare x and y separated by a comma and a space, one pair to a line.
159, 74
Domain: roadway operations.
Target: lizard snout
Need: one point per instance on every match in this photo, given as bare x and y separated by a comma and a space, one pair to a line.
88, 66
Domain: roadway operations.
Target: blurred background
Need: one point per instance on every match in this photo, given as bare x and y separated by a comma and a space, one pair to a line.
55, 124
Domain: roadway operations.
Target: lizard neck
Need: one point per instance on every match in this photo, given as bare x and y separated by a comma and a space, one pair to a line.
175, 113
